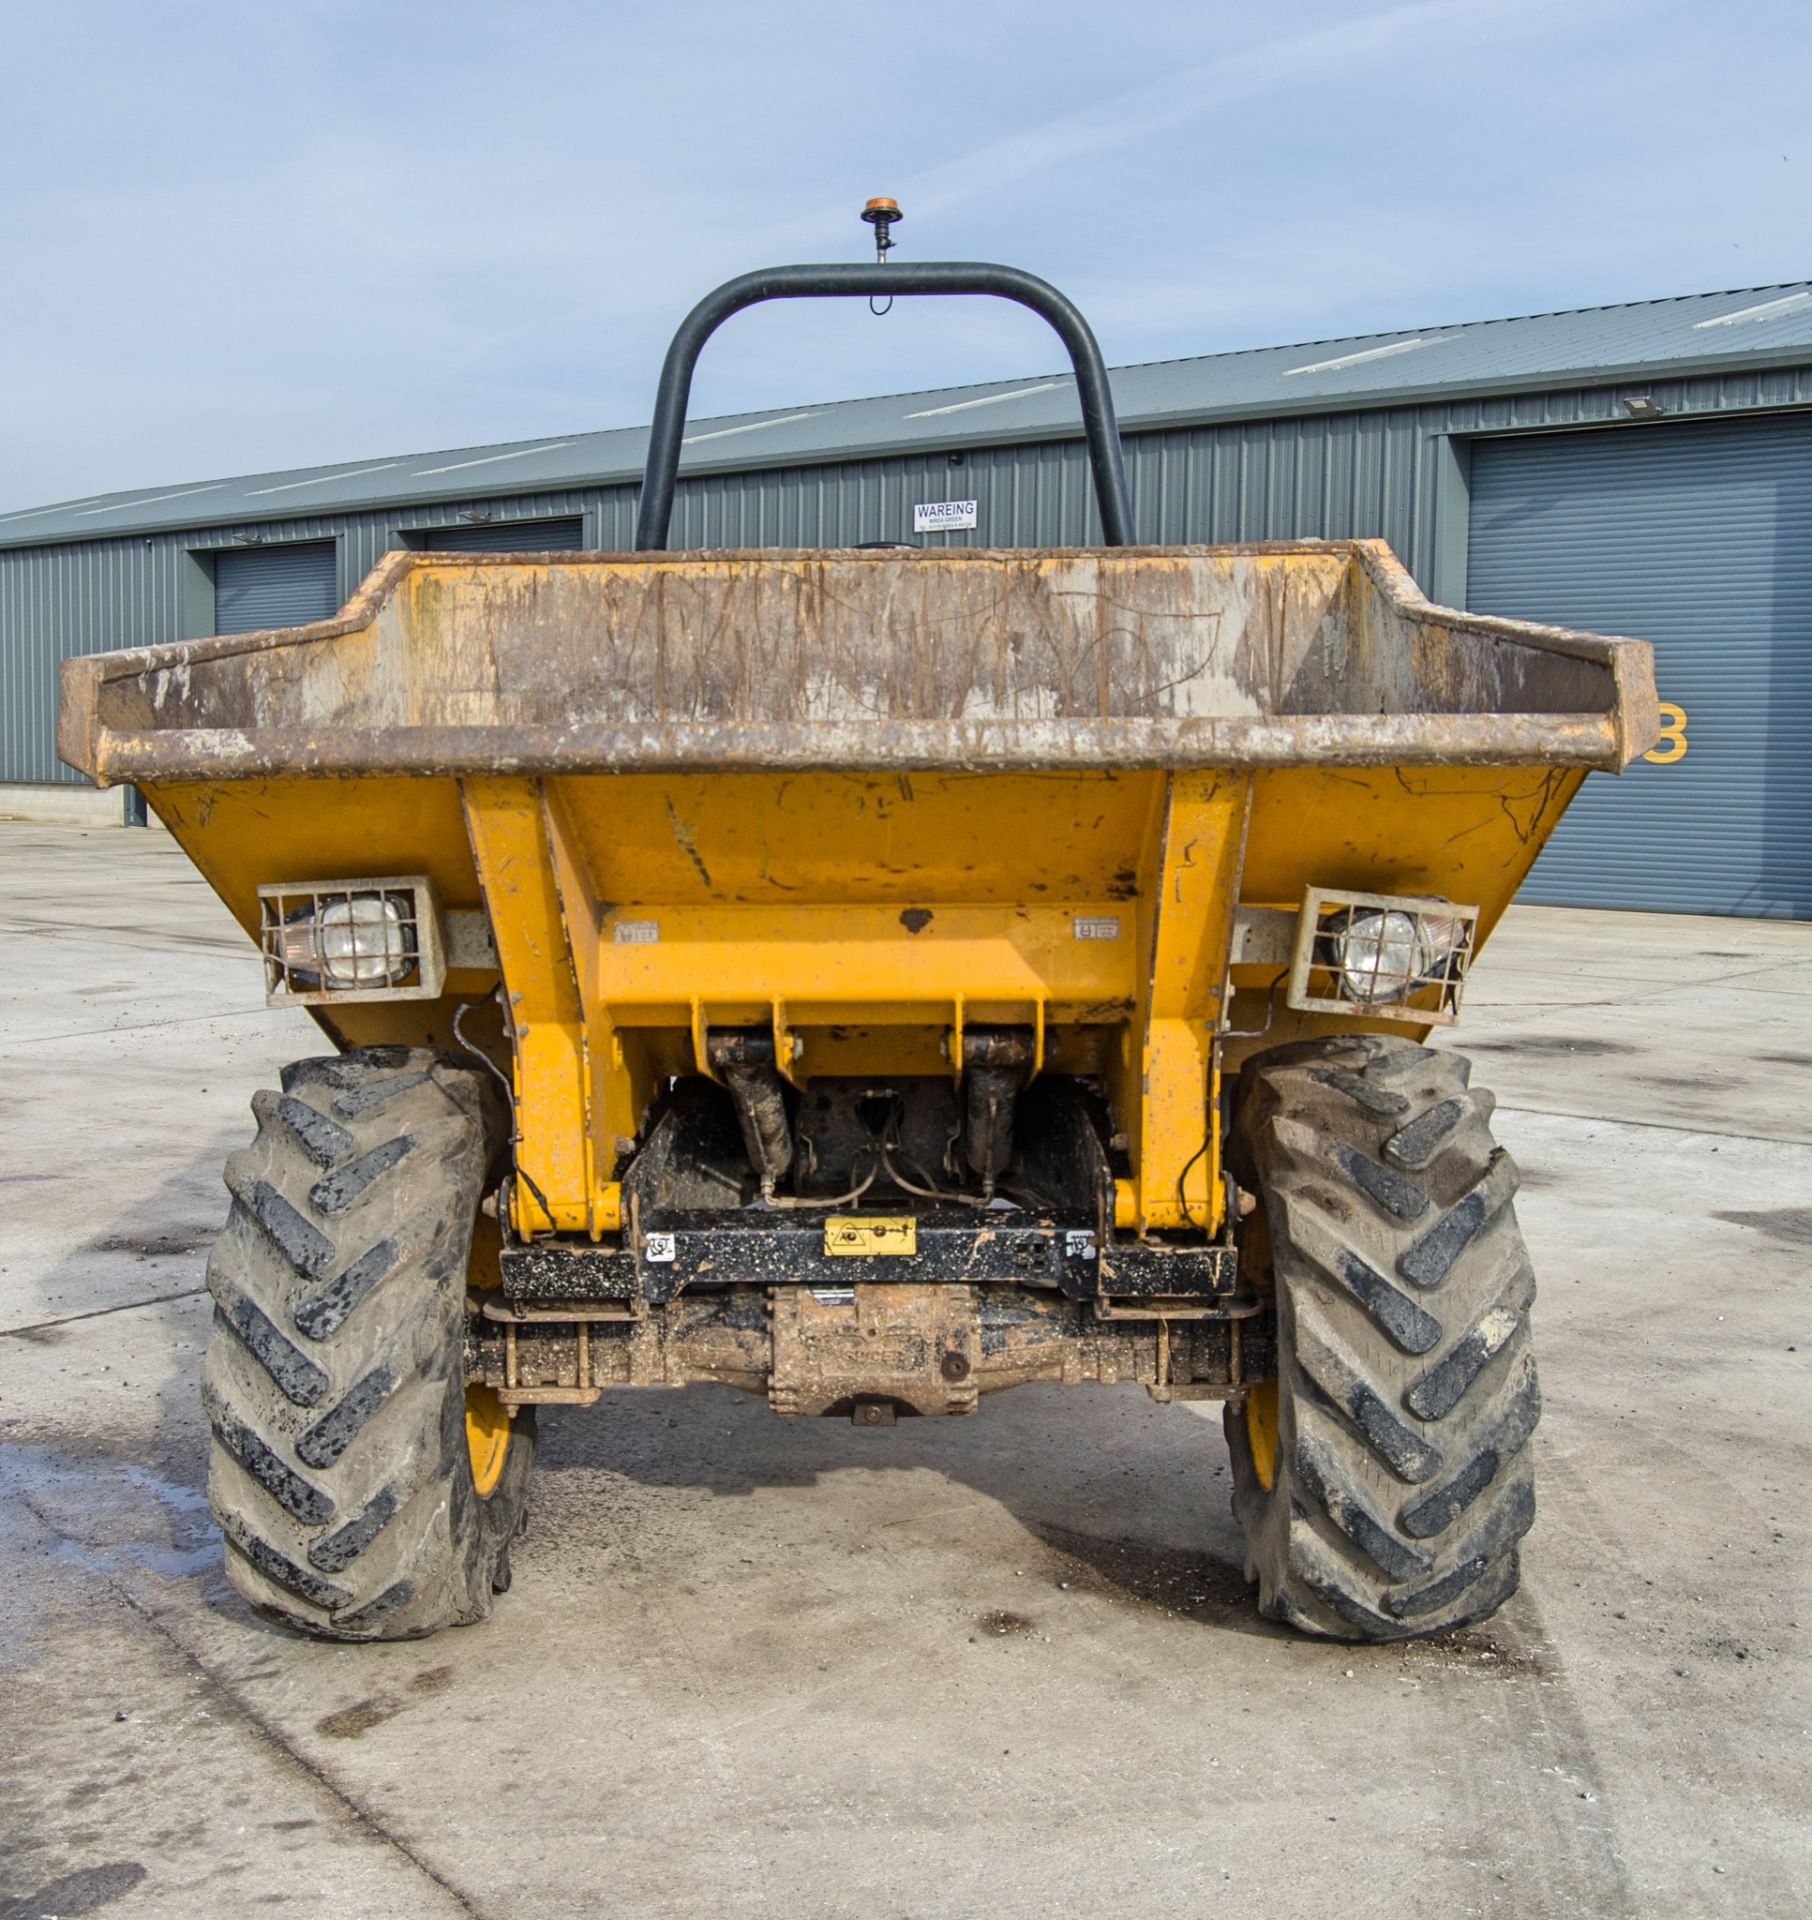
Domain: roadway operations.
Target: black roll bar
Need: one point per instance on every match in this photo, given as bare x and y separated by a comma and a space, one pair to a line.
833, 281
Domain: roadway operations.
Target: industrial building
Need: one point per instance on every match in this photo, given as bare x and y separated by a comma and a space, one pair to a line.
1640, 469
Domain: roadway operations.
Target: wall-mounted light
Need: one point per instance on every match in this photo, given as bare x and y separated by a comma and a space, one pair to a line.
475, 516
1641, 406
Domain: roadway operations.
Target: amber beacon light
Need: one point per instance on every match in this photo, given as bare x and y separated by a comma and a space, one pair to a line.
881, 213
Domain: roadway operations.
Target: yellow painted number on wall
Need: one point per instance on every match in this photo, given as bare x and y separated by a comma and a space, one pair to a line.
1672, 744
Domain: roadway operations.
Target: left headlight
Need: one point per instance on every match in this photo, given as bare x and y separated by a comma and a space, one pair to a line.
1399, 956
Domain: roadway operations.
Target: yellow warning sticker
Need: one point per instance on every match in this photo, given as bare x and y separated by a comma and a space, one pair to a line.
894, 1233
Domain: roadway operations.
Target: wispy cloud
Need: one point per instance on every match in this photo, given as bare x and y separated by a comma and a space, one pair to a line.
1284, 70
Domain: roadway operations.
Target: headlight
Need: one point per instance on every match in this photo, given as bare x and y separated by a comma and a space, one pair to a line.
1381, 951
360, 940
352, 940
1383, 957
377, 938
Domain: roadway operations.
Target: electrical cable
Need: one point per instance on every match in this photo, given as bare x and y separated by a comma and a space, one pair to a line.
1182, 1197
509, 1102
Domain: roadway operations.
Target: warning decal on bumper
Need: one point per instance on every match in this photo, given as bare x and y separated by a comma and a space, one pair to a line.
895, 1233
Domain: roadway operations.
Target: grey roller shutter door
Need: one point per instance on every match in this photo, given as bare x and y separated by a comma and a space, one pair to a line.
512, 536
278, 586
1699, 539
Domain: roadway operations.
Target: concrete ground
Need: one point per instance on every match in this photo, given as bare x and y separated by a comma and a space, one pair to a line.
1001, 1667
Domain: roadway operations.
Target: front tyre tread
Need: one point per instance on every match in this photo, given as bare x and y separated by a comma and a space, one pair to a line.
334, 1381
1400, 1482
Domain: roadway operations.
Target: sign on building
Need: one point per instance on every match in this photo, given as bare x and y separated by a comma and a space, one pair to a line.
943, 516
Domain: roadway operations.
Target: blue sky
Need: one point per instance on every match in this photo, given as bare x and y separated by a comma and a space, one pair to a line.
243, 236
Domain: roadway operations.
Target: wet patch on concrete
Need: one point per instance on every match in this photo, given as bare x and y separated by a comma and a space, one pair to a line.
1790, 1225
111, 1517
85, 1891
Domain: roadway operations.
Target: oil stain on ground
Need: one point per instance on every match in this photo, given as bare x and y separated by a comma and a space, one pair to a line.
1000, 1621
1791, 1225
350, 1722
359, 1718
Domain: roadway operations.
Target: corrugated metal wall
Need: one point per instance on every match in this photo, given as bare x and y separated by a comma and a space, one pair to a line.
1387, 472
1699, 539
57, 601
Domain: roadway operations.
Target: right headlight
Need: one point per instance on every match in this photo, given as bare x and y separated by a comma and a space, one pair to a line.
1403, 956
1383, 956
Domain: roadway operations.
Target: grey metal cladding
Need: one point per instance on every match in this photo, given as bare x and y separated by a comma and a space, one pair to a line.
1698, 537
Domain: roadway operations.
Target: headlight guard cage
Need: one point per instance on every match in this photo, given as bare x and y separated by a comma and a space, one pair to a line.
1425, 992
414, 949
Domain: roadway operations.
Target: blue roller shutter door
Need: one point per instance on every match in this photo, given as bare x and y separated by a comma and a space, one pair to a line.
276, 586
1699, 539
519, 536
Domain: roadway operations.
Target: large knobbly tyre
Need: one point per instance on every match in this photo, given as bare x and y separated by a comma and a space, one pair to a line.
1384, 1481
363, 1494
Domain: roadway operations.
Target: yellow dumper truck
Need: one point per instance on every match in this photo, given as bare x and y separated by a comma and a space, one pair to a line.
871, 979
